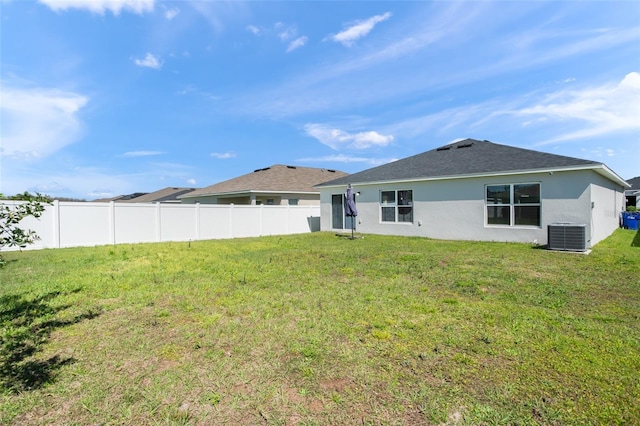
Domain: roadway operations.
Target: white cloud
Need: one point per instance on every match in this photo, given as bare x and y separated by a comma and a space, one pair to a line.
38, 122
193, 90
283, 32
187, 89
223, 155
101, 6
287, 33
191, 181
91, 182
171, 13
50, 188
218, 14
597, 111
336, 138
297, 43
142, 153
600, 152
100, 193
358, 30
149, 61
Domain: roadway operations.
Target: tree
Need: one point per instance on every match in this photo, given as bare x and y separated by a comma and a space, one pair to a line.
11, 235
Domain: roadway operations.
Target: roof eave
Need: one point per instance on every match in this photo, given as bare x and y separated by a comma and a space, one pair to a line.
610, 174
247, 192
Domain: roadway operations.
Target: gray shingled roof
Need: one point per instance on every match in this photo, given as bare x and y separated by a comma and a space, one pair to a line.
467, 157
119, 198
634, 182
277, 178
160, 196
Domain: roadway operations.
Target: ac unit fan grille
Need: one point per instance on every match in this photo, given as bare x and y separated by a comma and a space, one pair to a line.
566, 236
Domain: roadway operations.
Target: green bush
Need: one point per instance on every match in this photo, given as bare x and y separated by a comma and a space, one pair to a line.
11, 235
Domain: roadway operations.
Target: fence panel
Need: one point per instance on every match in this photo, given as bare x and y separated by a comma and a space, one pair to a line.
135, 223
177, 222
215, 222
74, 224
246, 221
79, 225
276, 220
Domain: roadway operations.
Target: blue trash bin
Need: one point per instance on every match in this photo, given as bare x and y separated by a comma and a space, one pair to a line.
630, 220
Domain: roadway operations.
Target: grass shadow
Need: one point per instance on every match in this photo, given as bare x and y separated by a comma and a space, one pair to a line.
27, 324
349, 236
636, 240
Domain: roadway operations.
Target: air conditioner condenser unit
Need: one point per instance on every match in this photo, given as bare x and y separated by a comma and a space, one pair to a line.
567, 236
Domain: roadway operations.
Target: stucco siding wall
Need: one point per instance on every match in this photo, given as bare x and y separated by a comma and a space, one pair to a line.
608, 203
325, 208
306, 199
455, 209
201, 200
279, 199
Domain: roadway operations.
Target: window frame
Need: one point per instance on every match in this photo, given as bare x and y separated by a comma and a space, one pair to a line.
514, 205
397, 206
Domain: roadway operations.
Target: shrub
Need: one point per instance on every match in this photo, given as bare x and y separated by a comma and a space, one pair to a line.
11, 235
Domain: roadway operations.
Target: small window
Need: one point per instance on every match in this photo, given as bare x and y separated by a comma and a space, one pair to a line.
396, 206
293, 201
270, 201
513, 204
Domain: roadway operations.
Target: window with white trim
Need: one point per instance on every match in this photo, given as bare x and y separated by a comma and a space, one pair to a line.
396, 206
516, 204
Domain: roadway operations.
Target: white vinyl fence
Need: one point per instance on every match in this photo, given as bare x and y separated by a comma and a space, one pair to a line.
74, 224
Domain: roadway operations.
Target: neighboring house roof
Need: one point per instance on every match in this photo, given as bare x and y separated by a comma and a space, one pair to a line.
634, 182
120, 197
635, 186
277, 178
469, 158
161, 196
106, 200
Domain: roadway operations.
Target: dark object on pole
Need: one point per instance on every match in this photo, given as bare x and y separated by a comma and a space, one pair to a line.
350, 207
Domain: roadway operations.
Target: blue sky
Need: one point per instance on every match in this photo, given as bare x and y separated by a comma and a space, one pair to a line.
101, 98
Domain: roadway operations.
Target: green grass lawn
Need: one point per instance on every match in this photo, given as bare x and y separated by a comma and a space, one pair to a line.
318, 329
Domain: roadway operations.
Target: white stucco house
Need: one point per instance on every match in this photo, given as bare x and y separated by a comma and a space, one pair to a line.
483, 191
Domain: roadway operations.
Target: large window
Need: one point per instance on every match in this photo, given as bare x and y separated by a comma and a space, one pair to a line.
513, 204
396, 206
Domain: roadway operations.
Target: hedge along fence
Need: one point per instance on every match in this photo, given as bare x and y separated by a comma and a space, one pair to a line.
75, 224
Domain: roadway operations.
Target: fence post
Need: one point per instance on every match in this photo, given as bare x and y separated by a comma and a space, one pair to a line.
197, 221
56, 223
158, 223
231, 220
261, 218
112, 222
